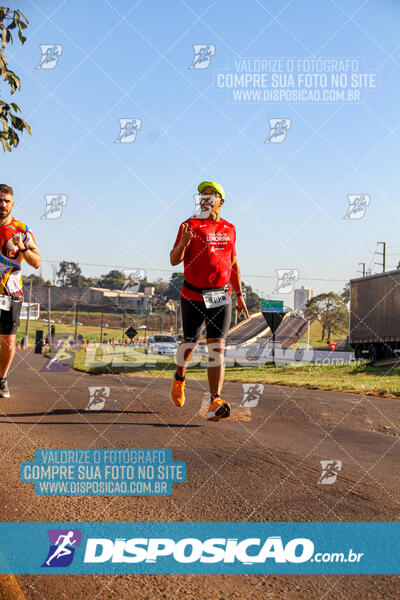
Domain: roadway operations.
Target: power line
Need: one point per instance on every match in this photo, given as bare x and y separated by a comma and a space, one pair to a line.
129, 268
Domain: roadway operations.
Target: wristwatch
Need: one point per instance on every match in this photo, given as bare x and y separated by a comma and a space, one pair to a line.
239, 293
24, 250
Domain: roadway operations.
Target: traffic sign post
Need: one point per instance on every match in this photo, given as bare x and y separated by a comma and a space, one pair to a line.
131, 332
272, 311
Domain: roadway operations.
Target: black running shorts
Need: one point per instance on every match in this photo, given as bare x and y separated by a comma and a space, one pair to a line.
195, 313
9, 319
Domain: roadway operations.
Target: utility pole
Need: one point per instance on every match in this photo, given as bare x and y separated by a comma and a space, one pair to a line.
54, 269
76, 320
101, 325
123, 324
363, 269
383, 254
235, 314
25, 342
49, 315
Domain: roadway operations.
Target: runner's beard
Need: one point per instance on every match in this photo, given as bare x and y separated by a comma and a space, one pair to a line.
4, 213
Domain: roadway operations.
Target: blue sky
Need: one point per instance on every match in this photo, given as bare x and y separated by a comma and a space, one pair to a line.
125, 59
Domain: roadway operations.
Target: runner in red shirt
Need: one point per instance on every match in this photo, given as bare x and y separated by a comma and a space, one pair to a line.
206, 245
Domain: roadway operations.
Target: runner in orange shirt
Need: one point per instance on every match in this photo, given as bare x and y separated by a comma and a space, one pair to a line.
16, 243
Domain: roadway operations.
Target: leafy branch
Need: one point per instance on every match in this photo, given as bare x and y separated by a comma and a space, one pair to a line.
12, 124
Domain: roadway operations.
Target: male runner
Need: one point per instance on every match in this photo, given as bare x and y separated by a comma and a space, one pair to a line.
206, 245
16, 243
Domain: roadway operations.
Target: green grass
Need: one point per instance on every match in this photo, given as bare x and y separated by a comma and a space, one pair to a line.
359, 378
89, 332
316, 335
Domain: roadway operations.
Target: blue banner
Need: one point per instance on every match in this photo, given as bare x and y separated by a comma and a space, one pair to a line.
103, 472
190, 548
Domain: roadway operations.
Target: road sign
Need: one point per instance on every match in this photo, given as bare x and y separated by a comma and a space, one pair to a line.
273, 316
333, 347
273, 319
271, 305
131, 332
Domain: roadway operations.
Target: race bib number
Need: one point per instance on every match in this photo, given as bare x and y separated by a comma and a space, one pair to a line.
5, 303
215, 299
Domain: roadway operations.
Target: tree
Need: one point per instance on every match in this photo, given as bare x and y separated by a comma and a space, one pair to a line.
114, 280
36, 280
173, 291
160, 286
332, 311
69, 273
90, 282
11, 123
345, 295
253, 302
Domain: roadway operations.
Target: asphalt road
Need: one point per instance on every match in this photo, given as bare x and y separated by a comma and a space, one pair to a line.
290, 329
262, 464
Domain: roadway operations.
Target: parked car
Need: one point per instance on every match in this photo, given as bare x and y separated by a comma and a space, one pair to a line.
46, 321
161, 344
76, 323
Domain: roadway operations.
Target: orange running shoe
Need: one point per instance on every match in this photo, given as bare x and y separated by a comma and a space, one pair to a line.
178, 391
218, 409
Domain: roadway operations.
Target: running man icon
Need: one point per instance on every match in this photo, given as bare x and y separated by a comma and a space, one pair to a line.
62, 549
62, 542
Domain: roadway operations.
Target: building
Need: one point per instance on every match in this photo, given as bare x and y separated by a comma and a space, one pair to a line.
302, 296
64, 297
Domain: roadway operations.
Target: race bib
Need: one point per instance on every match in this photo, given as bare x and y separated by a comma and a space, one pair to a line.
215, 299
5, 302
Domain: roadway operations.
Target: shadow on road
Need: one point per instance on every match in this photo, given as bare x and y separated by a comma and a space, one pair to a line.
80, 411
87, 421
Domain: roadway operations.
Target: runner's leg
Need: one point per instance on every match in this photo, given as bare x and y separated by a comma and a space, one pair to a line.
193, 316
183, 355
216, 364
7, 352
217, 323
9, 321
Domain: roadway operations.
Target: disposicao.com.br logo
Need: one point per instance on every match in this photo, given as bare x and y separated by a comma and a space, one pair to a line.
62, 547
247, 551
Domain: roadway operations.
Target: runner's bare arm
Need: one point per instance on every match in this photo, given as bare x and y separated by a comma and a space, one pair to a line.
32, 255
177, 254
33, 258
237, 286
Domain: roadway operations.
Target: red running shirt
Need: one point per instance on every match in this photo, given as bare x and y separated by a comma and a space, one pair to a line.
208, 258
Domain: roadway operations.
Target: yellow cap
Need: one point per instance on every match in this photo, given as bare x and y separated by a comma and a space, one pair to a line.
216, 186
